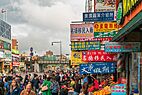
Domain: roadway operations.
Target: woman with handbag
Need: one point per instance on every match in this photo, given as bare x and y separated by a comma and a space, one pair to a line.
46, 87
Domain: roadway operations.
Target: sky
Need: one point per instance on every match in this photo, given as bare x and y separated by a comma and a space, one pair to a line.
38, 23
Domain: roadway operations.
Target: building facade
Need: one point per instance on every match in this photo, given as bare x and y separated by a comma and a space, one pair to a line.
129, 17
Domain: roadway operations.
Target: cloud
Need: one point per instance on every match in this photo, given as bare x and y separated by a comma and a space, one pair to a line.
37, 23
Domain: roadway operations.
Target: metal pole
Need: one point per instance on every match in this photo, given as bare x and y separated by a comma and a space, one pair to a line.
60, 52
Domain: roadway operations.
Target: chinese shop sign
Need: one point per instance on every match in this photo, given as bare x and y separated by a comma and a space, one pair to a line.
104, 34
76, 58
122, 46
81, 32
98, 68
119, 89
104, 5
98, 56
98, 16
85, 45
105, 26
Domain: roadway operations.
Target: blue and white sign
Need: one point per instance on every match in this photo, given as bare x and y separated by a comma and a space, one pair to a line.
98, 68
98, 16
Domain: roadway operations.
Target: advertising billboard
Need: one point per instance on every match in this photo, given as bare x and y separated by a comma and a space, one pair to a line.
98, 16
81, 32
98, 56
85, 45
105, 26
98, 68
76, 58
105, 5
122, 46
5, 30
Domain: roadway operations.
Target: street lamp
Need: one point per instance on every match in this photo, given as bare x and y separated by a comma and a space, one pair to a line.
60, 48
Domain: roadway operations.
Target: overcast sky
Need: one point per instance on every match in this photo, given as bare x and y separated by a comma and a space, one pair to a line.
36, 23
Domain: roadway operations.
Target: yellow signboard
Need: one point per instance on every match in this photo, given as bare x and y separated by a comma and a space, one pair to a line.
105, 26
76, 58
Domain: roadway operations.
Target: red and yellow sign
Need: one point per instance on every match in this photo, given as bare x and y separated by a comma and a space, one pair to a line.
105, 26
76, 58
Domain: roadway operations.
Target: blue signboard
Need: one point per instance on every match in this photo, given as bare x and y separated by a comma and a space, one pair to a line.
98, 16
98, 68
122, 46
119, 89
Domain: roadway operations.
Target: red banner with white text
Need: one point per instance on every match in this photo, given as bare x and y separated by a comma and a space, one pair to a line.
98, 56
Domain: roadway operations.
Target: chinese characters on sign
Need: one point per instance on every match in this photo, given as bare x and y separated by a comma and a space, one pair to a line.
104, 34
119, 89
98, 56
98, 16
98, 68
122, 46
105, 26
105, 5
76, 58
82, 32
85, 45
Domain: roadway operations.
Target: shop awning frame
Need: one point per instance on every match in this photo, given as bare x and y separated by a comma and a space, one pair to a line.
135, 22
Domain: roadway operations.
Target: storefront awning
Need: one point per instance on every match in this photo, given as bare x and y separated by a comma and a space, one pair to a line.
135, 22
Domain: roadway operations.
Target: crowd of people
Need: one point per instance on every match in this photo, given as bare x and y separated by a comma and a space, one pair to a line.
49, 83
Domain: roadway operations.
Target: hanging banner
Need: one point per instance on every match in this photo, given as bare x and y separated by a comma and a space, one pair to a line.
122, 46
98, 56
76, 58
98, 16
105, 5
119, 89
82, 32
105, 26
98, 68
104, 34
85, 45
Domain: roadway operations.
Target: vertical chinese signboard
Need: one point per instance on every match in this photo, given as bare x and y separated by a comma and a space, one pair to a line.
76, 58
82, 32
98, 56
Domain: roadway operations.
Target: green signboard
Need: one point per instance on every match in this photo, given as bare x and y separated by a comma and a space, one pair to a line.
104, 34
119, 13
85, 45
